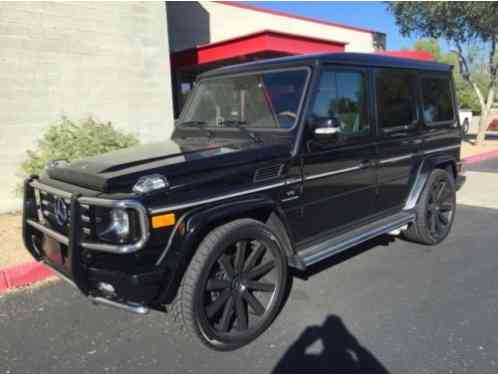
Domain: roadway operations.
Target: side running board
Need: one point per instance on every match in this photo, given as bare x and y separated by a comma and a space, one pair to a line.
321, 250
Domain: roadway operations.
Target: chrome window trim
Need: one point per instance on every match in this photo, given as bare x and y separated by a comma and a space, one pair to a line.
143, 220
333, 173
395, 159
446, 148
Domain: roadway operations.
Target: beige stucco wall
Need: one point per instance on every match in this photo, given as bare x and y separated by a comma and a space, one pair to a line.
108, 60
195, 23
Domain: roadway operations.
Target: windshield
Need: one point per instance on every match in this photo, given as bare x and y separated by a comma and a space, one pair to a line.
262, 100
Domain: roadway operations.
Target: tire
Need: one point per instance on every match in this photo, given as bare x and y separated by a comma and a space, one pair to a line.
435, 210
234, 286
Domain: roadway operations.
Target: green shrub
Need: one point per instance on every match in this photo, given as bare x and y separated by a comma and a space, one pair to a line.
71, 141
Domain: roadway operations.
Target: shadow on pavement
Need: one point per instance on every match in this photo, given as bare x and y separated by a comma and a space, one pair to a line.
340, 352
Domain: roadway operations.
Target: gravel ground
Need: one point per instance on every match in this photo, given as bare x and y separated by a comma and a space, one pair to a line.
12, 250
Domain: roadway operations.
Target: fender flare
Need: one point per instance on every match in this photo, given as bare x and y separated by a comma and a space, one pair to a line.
194, 225
424, 170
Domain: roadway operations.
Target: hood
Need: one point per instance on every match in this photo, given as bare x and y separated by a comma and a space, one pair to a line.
118, 171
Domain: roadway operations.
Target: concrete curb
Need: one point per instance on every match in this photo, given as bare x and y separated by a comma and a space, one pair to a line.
481, 157
23, 274
32, 272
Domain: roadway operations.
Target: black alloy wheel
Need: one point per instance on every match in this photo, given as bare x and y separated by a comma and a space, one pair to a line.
237, 282
440, 208
435, 210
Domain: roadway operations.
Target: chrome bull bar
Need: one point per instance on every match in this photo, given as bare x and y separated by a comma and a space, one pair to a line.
143, 221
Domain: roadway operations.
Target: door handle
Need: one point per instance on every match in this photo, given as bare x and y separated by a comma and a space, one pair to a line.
367, 163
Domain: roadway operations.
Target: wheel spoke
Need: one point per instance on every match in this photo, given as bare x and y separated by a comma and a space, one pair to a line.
445, 196
256, 306
216, 284
227, 315
226, 264
441, 189
241, 312
433, 223
443, 219
216, 306
446, 206
259, 286
261, 270
254, 257
240, 256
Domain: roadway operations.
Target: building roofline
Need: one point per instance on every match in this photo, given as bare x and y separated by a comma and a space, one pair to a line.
302, 18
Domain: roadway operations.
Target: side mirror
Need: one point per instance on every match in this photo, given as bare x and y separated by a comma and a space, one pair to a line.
327, 128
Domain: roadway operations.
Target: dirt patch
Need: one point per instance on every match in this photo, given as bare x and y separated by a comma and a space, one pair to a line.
12, 249
469, 149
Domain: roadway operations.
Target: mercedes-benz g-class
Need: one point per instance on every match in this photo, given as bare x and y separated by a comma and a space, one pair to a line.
272, 164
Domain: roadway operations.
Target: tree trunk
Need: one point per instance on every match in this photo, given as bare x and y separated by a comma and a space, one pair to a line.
481, 133
485, 111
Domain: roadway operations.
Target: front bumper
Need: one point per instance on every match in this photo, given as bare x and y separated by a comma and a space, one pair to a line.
72, 256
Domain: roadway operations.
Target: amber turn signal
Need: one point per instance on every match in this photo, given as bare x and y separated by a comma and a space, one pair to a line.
162, 221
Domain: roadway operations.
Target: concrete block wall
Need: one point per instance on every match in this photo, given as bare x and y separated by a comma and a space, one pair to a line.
108, 60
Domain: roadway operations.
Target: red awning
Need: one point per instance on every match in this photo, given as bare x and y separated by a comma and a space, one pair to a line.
261, 42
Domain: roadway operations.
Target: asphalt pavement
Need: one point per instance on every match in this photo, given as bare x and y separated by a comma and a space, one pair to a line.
386, 306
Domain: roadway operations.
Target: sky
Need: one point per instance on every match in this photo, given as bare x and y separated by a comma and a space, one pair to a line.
370, 15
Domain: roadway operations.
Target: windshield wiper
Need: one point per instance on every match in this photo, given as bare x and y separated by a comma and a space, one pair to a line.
240, 125
200, 125
196, 123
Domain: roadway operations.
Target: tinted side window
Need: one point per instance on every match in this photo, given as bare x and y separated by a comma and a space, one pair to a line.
438, 105
343, 95
396, 98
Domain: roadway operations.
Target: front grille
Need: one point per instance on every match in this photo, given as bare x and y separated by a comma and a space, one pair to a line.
55, 211
58, 218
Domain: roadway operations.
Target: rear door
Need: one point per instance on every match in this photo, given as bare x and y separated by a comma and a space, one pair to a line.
398, 134
339, 177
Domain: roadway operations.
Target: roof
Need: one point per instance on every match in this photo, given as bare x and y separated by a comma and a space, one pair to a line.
302, 18
363, 59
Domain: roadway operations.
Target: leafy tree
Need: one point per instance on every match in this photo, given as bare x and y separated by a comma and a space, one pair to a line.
467, 98
461, 24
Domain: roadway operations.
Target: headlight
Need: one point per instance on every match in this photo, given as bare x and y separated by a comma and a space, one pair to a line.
118, 227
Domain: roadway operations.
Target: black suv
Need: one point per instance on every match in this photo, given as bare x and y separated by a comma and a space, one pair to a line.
272, 164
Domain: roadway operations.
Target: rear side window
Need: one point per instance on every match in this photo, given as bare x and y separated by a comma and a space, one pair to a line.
342, 95
396, 98
437, 101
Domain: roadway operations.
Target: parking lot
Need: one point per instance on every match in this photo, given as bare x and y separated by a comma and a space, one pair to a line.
388, 305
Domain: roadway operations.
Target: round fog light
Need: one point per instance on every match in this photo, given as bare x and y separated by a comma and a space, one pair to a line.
106, 289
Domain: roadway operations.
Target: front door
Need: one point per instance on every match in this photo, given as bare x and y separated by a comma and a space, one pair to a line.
339, 177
